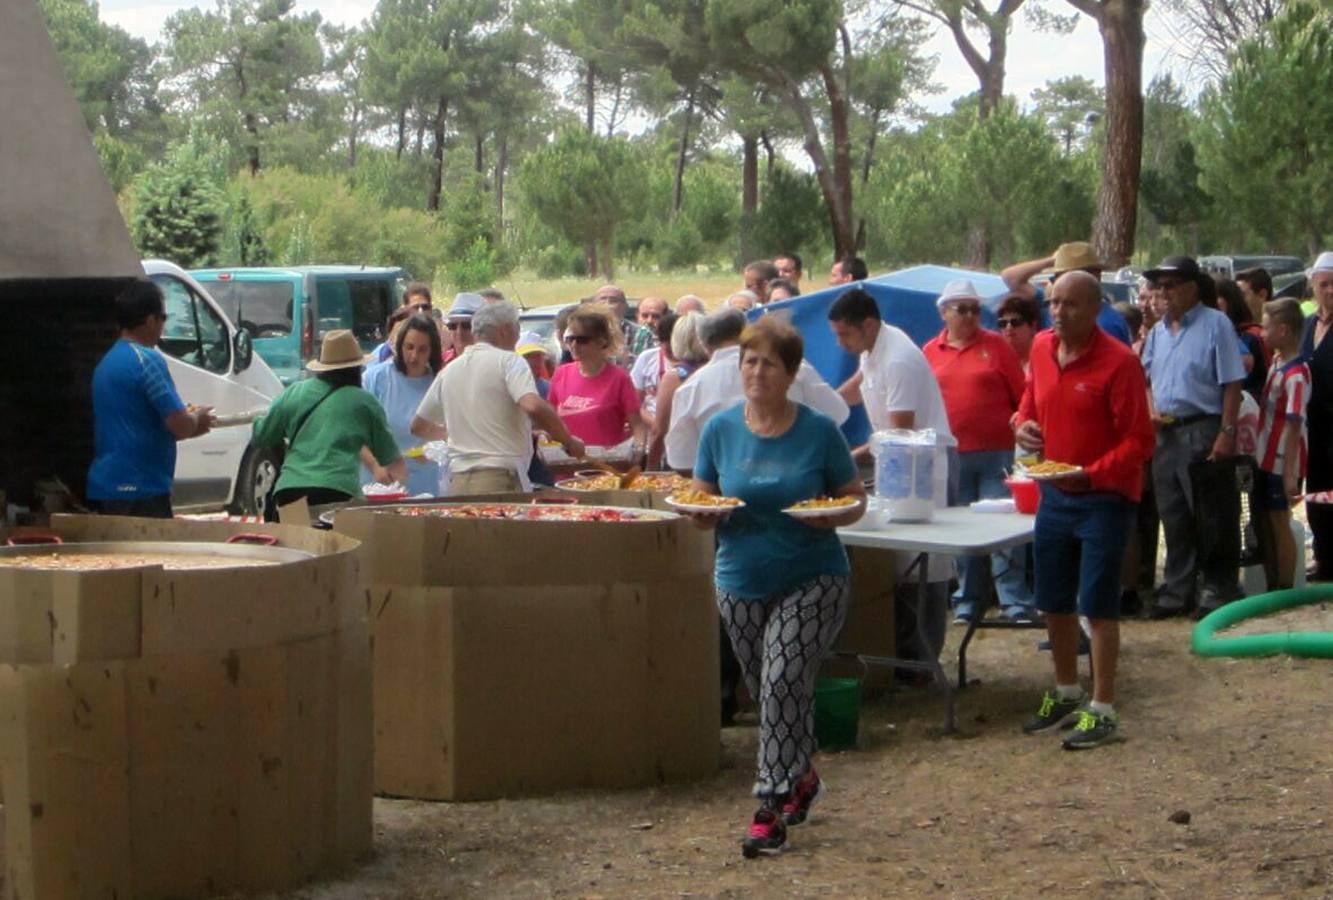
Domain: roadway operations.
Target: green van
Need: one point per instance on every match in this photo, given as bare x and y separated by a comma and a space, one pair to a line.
288, 310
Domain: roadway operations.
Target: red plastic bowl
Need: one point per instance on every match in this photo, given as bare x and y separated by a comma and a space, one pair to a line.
1027, 495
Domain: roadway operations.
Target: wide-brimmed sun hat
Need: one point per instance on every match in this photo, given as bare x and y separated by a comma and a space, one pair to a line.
1074, 255
338, 351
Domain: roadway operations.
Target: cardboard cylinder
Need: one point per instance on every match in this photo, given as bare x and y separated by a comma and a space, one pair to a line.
184, 733
515, 657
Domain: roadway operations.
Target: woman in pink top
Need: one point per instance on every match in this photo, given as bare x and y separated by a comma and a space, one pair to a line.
594, 396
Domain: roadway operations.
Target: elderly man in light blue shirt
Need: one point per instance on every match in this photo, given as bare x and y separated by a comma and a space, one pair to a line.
1195, 373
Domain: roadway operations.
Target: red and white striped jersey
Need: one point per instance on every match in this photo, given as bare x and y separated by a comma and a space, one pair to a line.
1286, 396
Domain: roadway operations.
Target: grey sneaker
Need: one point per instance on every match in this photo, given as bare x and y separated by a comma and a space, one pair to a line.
1054, 712
1092, 730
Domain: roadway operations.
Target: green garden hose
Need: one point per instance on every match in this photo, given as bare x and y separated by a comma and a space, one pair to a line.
1313, 644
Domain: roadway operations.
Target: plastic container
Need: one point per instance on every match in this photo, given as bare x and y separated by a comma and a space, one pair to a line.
911, 473
837, 712
1027, 494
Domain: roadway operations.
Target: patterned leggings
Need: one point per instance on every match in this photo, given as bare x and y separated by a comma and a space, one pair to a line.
779, 641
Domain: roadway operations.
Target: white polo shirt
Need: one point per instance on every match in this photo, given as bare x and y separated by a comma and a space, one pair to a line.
717, 386
895, 377
476, 399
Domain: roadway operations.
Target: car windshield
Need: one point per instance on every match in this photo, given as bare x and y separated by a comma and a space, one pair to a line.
264, 308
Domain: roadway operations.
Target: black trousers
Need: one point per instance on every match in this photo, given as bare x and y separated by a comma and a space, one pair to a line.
158, 507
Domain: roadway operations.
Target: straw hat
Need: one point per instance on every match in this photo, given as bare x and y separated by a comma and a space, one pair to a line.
1074, 255
338, 351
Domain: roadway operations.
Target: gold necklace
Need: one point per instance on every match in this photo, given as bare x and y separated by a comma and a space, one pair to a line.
778, 428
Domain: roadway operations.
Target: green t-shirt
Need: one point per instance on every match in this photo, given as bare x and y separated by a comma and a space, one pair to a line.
327, 453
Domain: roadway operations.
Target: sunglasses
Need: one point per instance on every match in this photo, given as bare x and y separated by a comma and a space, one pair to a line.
1010, 323
967, 309
454, 326
578, 339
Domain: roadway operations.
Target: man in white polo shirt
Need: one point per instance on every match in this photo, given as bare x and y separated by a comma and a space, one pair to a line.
485, 404
717, 386
899, 390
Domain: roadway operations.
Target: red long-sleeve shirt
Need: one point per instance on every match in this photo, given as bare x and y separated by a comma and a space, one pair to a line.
981, 385
1092, 413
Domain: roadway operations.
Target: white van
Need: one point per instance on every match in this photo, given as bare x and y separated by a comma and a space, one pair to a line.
214, 364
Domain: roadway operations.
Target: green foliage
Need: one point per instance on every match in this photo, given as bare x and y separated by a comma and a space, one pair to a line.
792, 216
679, 245
1069, 107
121, 160
584, 187
475, 267
1266, 134
178, 210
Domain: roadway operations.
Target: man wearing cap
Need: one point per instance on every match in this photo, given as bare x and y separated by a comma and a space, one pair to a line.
485, 405
981, 380
459, 324
1194, 369
1318, 353
1070, 257
1084, 404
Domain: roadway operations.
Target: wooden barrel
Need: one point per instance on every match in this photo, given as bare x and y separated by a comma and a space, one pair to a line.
184, 732
519, 657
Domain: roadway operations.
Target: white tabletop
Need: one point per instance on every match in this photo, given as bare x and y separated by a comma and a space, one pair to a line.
954, 530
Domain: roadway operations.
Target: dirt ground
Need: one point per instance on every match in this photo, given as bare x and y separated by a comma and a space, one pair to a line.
1242, 746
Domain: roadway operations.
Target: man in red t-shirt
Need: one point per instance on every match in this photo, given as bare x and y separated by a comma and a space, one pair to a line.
1085, 404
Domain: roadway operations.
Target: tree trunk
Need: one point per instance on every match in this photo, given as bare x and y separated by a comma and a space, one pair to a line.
992, 76
402, 131
420, 142
590, 96
353, 135
1121, 23
978, 246
437, 169
615, 107
866, 164
768, 153
501, 163
479, 153
682, 150
749, 195
252, 148
608, 267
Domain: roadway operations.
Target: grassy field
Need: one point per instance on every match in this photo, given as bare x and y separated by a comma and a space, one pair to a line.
713, 287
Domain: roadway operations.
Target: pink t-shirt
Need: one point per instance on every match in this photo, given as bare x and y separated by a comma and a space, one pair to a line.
596, 410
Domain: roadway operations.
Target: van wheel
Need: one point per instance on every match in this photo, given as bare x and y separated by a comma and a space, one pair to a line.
259, 472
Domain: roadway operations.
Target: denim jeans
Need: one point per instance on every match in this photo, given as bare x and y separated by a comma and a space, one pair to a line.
981, 477
1080, 544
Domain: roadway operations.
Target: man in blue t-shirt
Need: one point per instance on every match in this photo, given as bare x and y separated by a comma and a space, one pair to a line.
137, 415
1076, 255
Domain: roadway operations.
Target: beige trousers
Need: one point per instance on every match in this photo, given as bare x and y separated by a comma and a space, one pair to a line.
485, 481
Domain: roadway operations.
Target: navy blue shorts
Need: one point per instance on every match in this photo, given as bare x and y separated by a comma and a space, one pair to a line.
1078, 546
1271, 493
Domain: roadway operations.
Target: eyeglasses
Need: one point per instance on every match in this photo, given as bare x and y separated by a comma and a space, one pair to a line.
1010, 323
967, 309
578, 338
454, 326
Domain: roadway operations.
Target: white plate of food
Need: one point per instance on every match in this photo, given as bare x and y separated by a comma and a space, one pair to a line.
1049, 470
700, 502
821, 507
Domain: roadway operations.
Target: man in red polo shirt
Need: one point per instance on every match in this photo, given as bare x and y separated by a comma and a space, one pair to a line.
1086, 404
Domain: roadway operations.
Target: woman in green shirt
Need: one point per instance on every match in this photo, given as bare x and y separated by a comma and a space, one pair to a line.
324, 422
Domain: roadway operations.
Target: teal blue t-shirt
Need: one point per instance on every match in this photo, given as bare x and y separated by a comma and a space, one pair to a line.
761, 550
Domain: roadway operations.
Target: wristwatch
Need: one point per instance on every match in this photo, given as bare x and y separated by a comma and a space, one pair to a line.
1229, 430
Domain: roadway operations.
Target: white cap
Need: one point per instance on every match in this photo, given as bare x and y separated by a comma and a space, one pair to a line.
1323, 263
958, 289
465, 304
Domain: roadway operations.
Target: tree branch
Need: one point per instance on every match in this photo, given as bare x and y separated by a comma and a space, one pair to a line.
1091, 8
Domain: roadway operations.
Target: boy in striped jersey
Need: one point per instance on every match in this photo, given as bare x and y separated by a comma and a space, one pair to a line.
1281, 447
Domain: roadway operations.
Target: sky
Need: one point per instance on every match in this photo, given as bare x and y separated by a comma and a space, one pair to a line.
1034, 57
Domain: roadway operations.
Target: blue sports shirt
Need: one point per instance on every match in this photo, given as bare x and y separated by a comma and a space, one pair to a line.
134, 455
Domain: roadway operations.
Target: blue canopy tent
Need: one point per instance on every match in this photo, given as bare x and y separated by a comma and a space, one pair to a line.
906, 299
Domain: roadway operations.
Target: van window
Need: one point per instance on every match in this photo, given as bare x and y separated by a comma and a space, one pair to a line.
360, 304
194, 333
263, 308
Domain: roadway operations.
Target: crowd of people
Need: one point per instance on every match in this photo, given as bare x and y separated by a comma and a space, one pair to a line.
1155, 406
